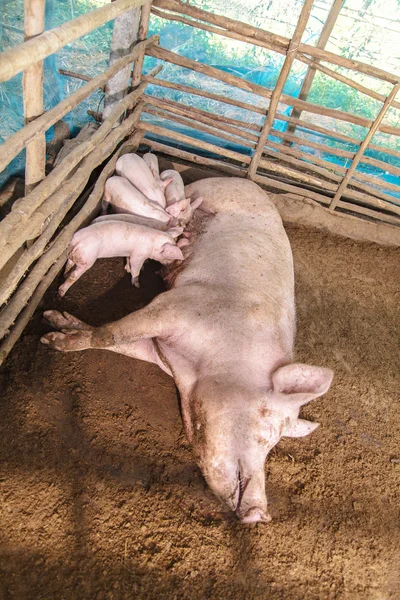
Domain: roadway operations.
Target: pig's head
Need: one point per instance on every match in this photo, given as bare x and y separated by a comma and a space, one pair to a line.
233, 429
183, 210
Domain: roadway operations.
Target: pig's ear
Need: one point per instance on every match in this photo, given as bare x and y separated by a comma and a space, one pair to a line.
298, 384
175, 231
196, 203
171, 252
298, 428
165, 182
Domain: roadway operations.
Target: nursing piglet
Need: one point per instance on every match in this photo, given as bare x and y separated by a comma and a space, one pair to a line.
135, 169
116, 238
178, 206
125, 198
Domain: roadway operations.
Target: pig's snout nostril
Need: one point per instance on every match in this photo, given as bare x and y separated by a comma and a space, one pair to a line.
255, 515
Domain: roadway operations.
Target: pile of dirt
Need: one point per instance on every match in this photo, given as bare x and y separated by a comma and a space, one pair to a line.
102, 499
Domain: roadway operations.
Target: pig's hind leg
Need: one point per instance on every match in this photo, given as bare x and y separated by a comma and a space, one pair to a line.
154, 320
67, 339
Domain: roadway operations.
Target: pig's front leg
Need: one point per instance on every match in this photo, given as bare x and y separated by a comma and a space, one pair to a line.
154, 320
136, 261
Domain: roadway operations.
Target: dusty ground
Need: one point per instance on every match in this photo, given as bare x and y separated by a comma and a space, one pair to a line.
100, 494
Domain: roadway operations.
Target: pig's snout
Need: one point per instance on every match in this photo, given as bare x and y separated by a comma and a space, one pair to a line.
254, 515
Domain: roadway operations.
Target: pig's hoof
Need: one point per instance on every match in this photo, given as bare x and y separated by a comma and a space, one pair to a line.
69, 341
64, 320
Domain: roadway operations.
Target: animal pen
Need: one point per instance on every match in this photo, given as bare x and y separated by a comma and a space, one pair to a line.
327, 168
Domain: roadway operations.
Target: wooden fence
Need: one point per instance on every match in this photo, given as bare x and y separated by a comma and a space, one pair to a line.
34, 235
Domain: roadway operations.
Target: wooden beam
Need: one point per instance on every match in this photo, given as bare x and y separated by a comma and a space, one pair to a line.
32, 90
270, 38
313, 64
259, 90
142, 35
311, 71
283, 75
18, 141
364, 146
24, 55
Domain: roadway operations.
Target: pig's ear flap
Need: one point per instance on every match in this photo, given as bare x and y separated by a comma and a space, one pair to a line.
298, 428
297, 384
196, 203
175, 231
171, 252
165, 182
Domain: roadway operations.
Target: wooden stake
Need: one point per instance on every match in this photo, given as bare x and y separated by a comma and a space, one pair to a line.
283, 75
311, 71
142, 34
17, 142
364, 146
21, 57
32, 89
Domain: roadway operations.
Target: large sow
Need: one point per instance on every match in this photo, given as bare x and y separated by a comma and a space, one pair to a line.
225, 332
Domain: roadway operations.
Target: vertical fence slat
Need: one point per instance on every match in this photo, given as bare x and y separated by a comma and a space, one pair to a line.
283, 75
142, 34
363, 147
311, 71
32, 86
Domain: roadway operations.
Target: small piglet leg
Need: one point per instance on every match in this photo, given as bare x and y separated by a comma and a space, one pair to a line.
73, 275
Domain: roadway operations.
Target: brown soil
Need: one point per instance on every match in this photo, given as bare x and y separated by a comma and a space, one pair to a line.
101, 497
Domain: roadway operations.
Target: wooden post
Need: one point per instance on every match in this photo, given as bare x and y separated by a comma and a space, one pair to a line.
124, 36
32, 87
311, 71
363, 146
142, 34
283, 75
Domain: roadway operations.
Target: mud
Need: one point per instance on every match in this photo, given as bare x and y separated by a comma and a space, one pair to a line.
101, 497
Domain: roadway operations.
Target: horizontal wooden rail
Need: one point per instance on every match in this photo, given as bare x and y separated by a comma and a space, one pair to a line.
273, 39
259, 90
21, 57
18, 141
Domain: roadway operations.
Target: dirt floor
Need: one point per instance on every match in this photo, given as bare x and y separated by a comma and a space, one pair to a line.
100, 494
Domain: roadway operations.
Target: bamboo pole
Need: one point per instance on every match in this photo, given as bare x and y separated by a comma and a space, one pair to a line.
18, 141
364, 146
142, 34
265, 181
279, 49
32, 90
233, 80
205, 117
273, 39
283, 75
311, 71
186, 118
20, 229
24, 55
37, 282
124, 35
253, 108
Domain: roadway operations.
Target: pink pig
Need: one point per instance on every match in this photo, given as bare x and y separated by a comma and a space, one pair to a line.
178, 206
118, 238
135, 169
125, 198
151, 161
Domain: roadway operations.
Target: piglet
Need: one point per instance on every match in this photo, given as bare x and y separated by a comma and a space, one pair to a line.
117, 238
135, 219
138, 173
125, 198
151, 161
178, 206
